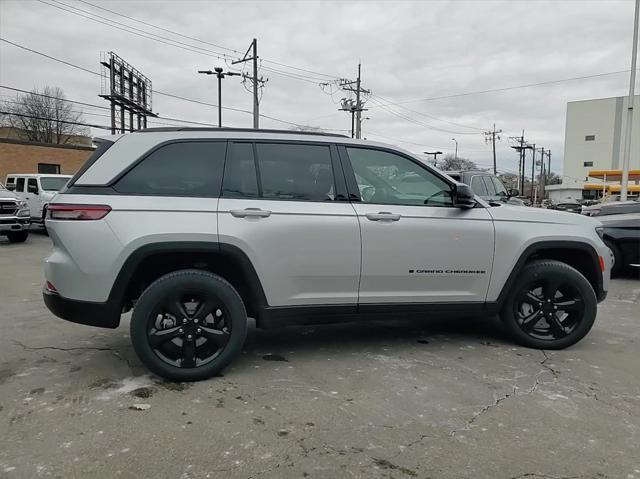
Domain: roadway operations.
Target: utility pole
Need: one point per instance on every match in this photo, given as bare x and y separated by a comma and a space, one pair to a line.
354, 108
520, 149
549, 168
491, 135
253, 48
218, 72
632, 83
533, 169
542, 181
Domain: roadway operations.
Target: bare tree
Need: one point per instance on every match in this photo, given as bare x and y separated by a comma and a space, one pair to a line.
451, 163
43, 116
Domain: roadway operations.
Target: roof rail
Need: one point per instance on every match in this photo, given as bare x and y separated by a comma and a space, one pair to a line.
243, 130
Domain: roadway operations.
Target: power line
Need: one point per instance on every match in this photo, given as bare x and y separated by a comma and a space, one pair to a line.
493, 90
102, 127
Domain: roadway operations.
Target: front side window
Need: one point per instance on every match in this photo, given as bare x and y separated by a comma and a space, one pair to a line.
190, 168
295, 172
491, 189
32, 185
500, 189
388, 178
478, 186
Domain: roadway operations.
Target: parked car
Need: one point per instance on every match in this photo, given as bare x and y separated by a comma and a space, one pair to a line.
197, 229
570, 206
621, 222
612, 208
14, 216
487, 186
37, 190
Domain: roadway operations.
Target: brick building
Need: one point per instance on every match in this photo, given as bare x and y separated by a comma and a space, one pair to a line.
18, 156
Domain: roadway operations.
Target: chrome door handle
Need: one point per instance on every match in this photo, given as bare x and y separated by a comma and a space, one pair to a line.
383, 216
253, 212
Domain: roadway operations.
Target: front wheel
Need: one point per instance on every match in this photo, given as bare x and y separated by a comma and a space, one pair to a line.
551, 306
17, 236
188, 325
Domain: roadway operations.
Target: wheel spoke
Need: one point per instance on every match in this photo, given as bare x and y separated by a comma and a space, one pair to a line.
550, 289
175, 307
556, 327
569, 305
188, 354
216, 336
204, 308
529, 296
159, 336
529, 322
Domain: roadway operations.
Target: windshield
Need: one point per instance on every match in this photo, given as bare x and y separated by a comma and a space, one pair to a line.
53, 183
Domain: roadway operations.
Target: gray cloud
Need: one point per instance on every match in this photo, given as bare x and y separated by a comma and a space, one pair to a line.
409, 50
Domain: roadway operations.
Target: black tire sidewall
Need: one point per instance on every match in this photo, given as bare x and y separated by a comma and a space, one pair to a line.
158, 291
17, 236
538, 269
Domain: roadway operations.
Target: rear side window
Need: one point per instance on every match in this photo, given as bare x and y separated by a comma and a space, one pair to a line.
20, 184
178, 169
295, 172
240, 179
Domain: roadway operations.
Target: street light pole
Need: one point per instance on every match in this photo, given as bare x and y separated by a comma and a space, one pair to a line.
627, 139
456, 148
219, 73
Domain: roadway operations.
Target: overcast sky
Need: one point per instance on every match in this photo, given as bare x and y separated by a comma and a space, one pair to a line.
410, 51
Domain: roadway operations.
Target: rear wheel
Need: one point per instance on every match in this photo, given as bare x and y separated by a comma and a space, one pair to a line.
17, 236
551, 306
188, 325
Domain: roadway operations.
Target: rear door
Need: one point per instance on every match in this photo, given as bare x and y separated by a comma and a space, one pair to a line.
416, 246
284, 204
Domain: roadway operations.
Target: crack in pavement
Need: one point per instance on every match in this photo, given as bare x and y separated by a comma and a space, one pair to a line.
115, 352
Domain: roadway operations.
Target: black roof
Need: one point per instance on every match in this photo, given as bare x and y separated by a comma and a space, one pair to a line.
242, 130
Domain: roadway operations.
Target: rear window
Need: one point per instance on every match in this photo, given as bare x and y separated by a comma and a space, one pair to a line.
190, 168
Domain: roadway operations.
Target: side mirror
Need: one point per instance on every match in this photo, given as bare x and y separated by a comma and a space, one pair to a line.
32, 189
512, 192
463, 196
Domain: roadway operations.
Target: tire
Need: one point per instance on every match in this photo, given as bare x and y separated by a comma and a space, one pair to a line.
550, 306
160, 337
618, 265
17, 236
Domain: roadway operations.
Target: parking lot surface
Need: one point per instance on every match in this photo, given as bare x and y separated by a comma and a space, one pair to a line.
445, 398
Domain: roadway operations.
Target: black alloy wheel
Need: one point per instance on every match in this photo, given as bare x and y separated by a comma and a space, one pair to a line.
188, 325
550, 306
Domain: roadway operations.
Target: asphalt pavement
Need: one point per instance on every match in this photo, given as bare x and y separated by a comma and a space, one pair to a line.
445, 398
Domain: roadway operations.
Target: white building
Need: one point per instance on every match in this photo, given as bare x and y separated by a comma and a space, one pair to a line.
594, 140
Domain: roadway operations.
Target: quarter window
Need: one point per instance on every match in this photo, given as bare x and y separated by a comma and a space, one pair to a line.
178, 169
387, 178
295, 172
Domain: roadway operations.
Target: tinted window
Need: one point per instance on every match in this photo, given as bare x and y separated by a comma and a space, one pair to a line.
387, 178
478, 186
295, 172
500, 189
32, 185
240, 179
20, 184
491, 190
178, 169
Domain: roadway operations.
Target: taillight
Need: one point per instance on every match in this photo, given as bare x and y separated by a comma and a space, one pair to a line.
602, 264
77, 212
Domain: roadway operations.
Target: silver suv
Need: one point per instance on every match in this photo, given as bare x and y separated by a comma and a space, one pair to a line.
197, 229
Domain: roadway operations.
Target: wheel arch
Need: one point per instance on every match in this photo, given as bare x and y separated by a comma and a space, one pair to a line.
149, 262
578, 255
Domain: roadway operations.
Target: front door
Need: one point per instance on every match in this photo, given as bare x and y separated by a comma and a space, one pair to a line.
416, 246
285, 206
32, 196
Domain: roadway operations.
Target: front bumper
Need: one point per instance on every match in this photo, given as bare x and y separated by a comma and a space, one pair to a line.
8, 225
101, 315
